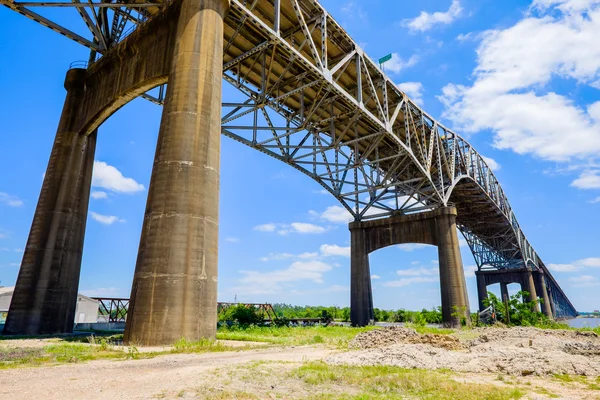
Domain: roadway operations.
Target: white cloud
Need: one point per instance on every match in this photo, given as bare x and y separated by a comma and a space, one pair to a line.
105, 219
299, 270
108, 177
336, 214
96, 194
397, 63
567, 6
412, 246
464, 37
265, 228
509, 94
375, 277
414, 90
470, 271
418, 272
584, 281
232, 239
303, 227
595, 201
426, 21
9, 200
493, 164
286, 256
328, 250
589, 179
409, 281
294, 227
592, 262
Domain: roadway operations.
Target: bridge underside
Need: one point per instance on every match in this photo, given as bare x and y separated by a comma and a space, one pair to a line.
312, 99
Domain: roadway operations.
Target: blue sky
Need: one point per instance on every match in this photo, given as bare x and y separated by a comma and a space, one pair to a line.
520, 80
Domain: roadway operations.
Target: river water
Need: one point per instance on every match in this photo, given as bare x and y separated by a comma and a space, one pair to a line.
584, 322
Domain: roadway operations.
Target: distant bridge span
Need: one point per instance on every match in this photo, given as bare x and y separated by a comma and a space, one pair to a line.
308, 96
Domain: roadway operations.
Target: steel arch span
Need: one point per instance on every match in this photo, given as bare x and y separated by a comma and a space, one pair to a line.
310, 97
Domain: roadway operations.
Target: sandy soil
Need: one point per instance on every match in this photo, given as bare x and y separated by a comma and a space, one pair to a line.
515, 351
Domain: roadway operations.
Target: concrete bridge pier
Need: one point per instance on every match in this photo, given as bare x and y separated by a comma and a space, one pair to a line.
542, 290
526, 278
174, 293
504, 291
437, 228
45, 294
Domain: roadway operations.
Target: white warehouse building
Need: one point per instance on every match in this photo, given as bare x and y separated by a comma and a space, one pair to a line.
86, 311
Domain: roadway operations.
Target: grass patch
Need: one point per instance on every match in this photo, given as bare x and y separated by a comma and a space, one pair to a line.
335, 336
202, 346
385, 382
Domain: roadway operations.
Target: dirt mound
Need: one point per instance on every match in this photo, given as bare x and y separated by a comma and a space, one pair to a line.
513, 351
392, 335
383, 337
447, 342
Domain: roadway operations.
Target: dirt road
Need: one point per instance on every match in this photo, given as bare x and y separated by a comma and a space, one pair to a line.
137, 379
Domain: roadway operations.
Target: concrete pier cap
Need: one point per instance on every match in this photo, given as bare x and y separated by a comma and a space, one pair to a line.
75, 78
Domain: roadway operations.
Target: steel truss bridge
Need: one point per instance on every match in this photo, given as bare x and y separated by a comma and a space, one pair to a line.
310, 97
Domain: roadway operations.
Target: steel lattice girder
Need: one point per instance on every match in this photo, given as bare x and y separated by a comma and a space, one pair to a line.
314, 100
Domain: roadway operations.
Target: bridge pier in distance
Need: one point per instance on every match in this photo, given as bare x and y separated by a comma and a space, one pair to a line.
174, 293
525, 278
437, 228
45, 294
542, 291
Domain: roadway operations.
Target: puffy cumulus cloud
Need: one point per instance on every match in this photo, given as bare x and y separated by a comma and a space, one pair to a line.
592, 262
12, 201
96, 194
375, 277
299, 270
568, 6
426, 21
595, 201
589, 179
336, 214
303, 227
493, 164
397, 64
509, 94
105, 219
265, 228
329, 250
110, 178
414, 90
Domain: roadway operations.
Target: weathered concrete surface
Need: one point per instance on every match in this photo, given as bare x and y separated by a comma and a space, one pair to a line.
174, 292
455, 303
437, 228
45, 294
361, 293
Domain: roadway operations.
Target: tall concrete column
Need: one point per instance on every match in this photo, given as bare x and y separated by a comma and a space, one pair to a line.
174, 291
529, 284
481, 290
504, 291
45, 294
543, 291
361, 295
455, 304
